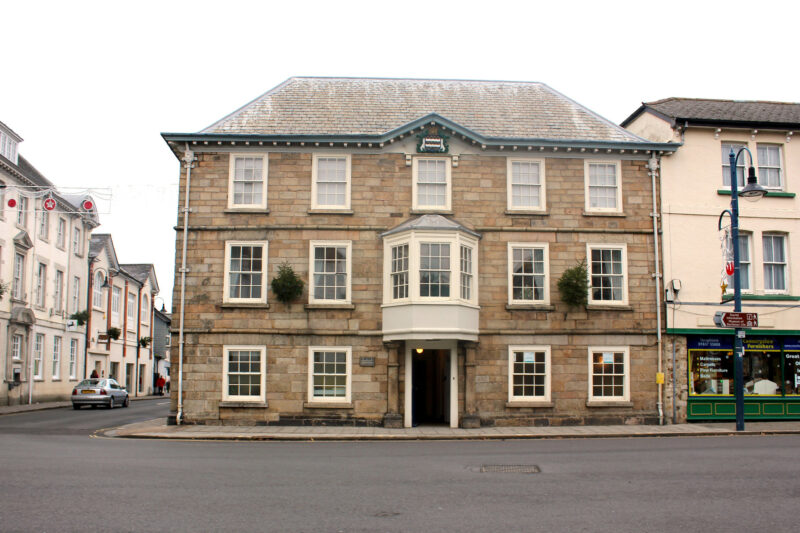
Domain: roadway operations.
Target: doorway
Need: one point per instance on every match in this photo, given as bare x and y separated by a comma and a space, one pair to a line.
430, 387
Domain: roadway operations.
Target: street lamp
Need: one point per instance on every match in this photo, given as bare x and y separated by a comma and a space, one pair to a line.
751, 191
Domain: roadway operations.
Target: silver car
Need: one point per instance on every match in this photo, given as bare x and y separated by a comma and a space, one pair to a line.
96, 392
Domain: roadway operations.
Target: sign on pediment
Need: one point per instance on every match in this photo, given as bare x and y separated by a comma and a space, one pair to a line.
431, 141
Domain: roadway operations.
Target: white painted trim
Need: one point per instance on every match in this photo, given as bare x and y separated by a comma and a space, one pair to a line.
348, 368
542, 184
348, 181
609, 246
626, 380
510, 274
348, 265
587, 203
448, 185
548, 373
226, 272
264, 178
226, 349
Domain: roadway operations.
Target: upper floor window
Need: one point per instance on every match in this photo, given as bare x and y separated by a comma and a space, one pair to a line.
8, 147
248, 181
330, 182
528, 273
769, 166
145, 309
330, 272
740, 164
44, 225
774, 262
76, 294
608, 274
58, 291
76, 241
16, 347
745, 261
61, 232
97, 290
22, 211
528, 373
18, 291
41, 283
116, 304
400, 272
431, 183
434, 270
132, 314
603, 186
466, 272
245, 272
526, 185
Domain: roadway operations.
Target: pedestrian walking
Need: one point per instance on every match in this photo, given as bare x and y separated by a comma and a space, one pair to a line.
160, 384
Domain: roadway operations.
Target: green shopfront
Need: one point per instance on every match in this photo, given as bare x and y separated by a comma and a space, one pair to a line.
771, 378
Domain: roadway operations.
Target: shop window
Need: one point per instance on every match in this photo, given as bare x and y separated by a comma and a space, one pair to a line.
711, 371
761, 368
792, 373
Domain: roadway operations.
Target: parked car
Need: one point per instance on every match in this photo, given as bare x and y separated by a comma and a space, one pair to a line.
96, 392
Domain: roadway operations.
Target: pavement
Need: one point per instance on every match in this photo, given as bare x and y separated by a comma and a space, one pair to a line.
157, 428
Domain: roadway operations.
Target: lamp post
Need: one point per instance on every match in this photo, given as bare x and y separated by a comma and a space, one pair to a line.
755, 191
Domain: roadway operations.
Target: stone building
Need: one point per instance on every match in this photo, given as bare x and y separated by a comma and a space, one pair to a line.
695, 191
430, 221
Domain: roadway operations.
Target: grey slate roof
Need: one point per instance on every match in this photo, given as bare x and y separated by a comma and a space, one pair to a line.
430, 222
376, 106
745, 112
140, 272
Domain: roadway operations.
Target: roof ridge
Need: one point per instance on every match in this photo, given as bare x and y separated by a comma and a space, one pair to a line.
733, 101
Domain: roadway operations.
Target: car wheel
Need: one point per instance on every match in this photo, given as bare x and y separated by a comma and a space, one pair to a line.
127, 401
111, 403
76, 406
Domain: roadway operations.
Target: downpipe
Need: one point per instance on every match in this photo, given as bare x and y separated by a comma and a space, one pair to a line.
188, 161
652, 166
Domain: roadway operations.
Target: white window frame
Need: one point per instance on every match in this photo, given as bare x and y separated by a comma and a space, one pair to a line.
466, 268
22, 211
16, 346
346, 399
38, 355
744, 236
785, 263
76, 241
18, 289
226, 281
416, 206
132, 310
57, 341
313, 245
762, 165
414, 240
44, 225
626, 384
58, 291
76, 294
226, 349
546, 398
542, 207
399, 272
586, 180
144, 316
262, 204
97, 291
73, 358
546, 258
41, 285
610, 246
741, 164
315, 204
61, 232
116, 304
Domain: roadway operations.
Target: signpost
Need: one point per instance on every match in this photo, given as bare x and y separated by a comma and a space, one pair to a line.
736, 320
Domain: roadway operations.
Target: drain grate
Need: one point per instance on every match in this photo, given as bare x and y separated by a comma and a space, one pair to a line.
510, 469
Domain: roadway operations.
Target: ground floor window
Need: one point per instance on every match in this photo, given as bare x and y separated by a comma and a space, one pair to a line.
244, 373
608, 373
329, 374
770, 366
529, 373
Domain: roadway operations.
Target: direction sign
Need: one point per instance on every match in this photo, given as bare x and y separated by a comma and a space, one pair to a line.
736, 320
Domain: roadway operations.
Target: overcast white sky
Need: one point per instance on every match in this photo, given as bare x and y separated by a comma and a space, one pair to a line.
90, 85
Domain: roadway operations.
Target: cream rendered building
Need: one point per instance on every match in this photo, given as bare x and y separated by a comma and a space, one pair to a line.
695, 191
44, 241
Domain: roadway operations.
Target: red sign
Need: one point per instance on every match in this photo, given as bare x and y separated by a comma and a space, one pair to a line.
738, 320
87, 204
729, 268
12, 202
49, 204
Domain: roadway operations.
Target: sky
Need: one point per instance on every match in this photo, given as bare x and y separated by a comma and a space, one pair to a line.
90, 86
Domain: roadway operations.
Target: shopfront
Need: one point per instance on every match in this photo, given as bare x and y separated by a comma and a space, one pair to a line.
771, 371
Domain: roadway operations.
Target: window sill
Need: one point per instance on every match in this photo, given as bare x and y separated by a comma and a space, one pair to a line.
330, 212
55, 379
530, 307
312, 307
234, 210
240, 404
770, 194
608, 307
246, 305
526, 213
431, 210
601, 403
542, 403
603, 214
327, 405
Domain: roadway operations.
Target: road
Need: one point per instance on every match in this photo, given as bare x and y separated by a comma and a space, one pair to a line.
56, 476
